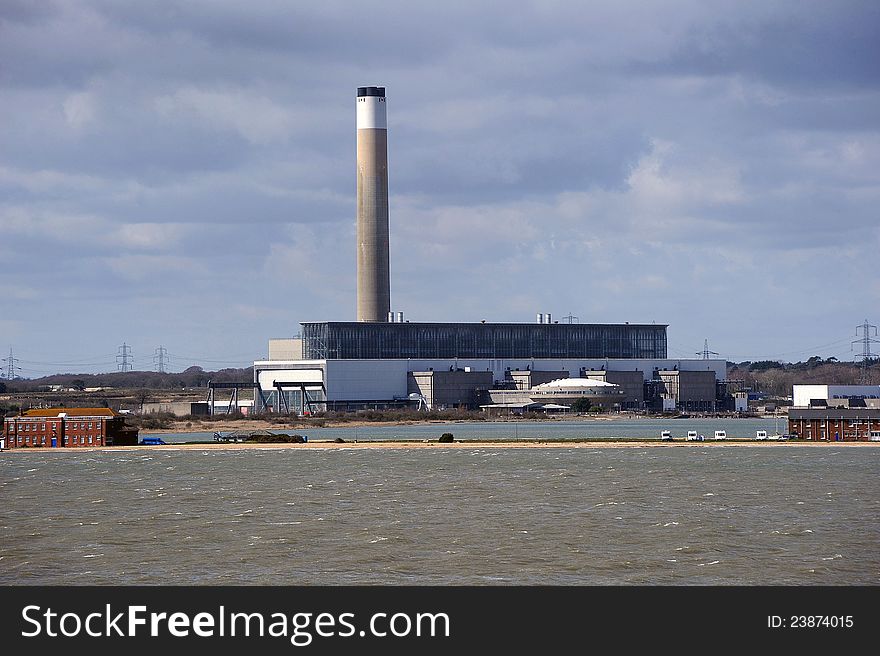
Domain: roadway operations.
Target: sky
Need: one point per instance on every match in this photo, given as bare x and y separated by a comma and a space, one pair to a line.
181, 174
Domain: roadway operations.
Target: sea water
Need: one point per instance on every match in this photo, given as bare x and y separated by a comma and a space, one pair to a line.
706, 514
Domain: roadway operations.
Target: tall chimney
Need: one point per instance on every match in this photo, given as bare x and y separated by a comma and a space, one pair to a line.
373, 269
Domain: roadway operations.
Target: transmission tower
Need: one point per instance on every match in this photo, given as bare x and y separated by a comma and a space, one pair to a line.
11, 366
570, 318
161, 359
124, 359
706, 352
866, 341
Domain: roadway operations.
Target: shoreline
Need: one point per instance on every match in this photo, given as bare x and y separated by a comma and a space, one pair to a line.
259, 424
458, 444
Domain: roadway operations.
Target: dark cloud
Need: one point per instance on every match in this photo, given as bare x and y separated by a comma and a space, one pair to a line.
824, 45
25, 12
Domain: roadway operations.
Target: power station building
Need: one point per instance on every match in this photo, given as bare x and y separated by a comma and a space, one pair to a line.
380, 360
351, 365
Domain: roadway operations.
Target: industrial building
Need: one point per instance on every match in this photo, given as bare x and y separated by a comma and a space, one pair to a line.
558, 394
382, 361
68, 427
177, 408
688, 390
351, 384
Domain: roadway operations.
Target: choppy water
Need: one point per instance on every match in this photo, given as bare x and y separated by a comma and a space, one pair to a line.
778, 514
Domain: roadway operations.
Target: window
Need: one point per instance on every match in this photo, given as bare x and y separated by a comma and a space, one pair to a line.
91, 425
90, 439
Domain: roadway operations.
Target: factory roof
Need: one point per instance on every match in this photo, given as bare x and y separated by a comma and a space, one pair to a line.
70, 412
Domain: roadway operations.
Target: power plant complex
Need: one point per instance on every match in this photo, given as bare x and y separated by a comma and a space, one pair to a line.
381, 360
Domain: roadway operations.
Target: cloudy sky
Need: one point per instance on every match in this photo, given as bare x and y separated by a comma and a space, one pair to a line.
182, 173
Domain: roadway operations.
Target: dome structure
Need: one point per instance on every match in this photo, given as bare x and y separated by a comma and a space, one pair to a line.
565, 391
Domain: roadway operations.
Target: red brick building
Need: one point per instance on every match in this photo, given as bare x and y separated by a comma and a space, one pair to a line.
835, 424
68, 427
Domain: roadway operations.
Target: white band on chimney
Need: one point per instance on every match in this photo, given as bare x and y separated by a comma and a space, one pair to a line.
371, 113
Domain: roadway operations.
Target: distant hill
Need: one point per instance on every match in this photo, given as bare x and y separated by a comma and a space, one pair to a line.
192, 377
769, 376
776, 378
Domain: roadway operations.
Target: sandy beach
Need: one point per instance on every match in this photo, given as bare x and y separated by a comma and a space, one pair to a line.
463, 444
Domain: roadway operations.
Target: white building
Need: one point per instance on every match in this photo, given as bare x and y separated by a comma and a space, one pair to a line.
803, 396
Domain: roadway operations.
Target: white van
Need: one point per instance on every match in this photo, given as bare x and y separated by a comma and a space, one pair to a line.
761, 435
720, 435
692, 436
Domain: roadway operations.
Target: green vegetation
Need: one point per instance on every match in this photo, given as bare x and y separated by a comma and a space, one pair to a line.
152, 421
133, 380
581, 405
274, 438
446, 438
764, 365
